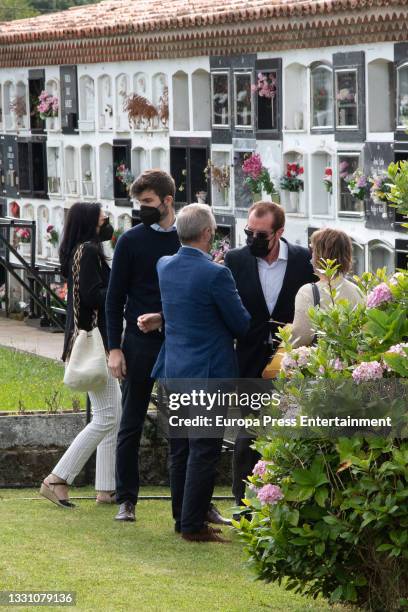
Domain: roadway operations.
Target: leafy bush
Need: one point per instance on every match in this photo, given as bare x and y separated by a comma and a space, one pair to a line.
341, 527
330, 517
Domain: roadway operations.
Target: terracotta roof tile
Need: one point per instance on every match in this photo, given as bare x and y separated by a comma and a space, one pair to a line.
188, 27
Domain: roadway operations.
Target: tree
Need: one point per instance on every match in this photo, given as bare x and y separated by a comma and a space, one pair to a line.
21, 9
16, 9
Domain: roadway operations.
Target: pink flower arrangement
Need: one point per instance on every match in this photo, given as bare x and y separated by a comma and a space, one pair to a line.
379, 295
257, 176
47, 105
252, 166
270, 494
265, 86
368, 370
23, 235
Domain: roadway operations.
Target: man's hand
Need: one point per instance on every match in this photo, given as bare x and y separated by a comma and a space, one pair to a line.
117, 364
149, 322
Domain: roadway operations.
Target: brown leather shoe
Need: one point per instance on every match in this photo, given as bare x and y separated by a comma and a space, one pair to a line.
126, 512
215, 529
206, 534
214, 516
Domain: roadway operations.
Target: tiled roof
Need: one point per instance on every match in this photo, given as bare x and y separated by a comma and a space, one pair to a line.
116, 30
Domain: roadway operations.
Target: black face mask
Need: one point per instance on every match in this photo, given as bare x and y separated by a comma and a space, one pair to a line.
105, 231
259, 247
149, 215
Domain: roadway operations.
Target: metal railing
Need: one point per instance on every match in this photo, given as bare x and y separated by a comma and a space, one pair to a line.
35, 281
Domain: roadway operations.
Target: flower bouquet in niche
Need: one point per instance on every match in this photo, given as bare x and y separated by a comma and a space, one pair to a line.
290, 181
257, 177
47, 105
23, 235
220, 176
52, 236
265, 85
328, 180
380, 187
124, 175
358, 185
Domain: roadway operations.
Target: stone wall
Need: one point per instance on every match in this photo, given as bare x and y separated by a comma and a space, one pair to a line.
31, 445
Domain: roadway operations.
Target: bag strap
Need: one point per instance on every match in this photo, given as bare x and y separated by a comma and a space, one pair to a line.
316, 302
76, 268
316, 295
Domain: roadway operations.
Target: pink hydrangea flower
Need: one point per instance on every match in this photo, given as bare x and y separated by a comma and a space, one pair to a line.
397, 349
395, 278
302, 355
368, 370
338, 364
288, 363
380, 294
261, 467
270, 494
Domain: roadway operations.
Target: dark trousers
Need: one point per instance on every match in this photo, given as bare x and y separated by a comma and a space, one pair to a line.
243, 462
193, 463
140, 353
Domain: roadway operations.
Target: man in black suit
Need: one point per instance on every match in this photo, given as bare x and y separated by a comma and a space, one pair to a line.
268, 272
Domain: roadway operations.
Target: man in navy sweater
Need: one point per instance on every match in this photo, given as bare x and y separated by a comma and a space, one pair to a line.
133, 293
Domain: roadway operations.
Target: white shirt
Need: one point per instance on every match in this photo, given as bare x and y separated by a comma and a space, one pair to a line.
272, 275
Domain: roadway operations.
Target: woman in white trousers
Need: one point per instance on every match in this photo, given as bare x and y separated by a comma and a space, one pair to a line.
86, 224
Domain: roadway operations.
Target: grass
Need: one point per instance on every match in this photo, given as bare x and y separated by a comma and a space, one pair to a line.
29, 382
143, 566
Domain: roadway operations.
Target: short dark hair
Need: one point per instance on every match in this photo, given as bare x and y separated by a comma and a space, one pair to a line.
335, 244
264, 208
155, 180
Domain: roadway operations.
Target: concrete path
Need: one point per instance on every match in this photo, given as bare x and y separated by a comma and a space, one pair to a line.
18, 335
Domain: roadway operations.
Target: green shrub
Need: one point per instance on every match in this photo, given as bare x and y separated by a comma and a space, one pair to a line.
341, 527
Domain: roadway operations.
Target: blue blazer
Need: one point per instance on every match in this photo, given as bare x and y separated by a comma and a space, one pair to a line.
203, 313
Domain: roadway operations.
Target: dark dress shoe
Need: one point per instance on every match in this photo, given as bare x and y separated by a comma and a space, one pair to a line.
177, 528
126, 512
206, 534
214, 516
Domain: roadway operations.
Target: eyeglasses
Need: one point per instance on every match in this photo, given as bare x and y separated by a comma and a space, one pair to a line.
261, 235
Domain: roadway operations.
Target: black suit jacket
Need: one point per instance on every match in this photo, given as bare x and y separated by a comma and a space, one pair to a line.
253, 351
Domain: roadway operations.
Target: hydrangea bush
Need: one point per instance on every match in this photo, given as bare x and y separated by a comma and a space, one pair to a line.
330, 517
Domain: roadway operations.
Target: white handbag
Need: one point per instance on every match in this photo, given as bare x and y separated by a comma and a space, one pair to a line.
87, 369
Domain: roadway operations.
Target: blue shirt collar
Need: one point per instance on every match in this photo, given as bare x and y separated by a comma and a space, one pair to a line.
158, 228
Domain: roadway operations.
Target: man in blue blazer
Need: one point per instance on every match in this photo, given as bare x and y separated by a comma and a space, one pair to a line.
203, 313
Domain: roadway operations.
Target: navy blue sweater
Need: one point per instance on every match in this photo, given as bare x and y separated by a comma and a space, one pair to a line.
134, 285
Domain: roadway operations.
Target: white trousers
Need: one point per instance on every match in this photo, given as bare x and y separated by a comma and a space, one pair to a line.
99, 434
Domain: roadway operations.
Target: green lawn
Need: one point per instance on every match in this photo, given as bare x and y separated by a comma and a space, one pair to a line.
29, 382
143, 566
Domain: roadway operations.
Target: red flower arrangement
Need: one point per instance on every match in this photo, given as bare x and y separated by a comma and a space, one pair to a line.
328, 180
290, 181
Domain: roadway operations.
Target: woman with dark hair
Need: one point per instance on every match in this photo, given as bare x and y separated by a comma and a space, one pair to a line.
87, 225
